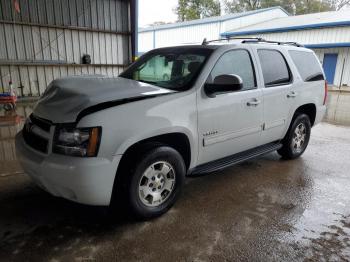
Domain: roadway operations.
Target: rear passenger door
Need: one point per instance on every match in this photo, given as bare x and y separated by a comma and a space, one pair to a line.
278, 93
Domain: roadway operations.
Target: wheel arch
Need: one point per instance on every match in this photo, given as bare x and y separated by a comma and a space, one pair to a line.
309, 110
177, 140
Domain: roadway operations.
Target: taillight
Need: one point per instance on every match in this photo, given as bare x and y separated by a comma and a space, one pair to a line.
325, 92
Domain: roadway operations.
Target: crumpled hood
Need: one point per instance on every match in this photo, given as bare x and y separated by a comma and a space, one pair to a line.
65, 98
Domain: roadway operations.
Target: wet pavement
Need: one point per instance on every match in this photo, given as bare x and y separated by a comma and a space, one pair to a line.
262, 210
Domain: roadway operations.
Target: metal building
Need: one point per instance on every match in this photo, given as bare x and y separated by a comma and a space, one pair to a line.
41, 40
327, 33
196, 30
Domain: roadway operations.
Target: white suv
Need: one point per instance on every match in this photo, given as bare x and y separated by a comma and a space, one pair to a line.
95, 139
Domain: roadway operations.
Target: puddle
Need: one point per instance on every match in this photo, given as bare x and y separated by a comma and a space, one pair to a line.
11, 122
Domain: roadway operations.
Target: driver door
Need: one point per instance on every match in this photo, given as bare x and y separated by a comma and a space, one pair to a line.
230, 123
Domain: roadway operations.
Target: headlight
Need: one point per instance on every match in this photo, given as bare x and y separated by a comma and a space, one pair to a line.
82, 142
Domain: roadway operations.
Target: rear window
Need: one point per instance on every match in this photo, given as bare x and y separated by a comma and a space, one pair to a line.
274, 66
307, 65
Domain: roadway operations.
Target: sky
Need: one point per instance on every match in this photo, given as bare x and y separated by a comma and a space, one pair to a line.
151, 11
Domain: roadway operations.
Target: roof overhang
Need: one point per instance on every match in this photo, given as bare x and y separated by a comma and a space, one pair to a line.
327, 45
211, 20
287, 29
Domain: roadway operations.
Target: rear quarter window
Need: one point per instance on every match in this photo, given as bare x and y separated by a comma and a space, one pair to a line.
308, 66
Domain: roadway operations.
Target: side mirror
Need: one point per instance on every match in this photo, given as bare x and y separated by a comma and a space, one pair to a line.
224, 84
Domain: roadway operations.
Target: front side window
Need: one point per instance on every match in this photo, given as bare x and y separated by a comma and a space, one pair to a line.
236, 62
171, 68
307, 65
274, 67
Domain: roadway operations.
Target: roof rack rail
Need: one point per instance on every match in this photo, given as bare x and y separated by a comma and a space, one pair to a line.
205, 42
251, 40
272, 42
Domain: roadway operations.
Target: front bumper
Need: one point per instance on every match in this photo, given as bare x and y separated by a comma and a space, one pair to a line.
83, 180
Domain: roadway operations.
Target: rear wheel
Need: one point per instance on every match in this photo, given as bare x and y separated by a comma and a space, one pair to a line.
155, 183
297, 137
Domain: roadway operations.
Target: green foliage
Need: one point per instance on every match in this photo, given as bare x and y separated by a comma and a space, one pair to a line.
297, 7
195, 9
312, 6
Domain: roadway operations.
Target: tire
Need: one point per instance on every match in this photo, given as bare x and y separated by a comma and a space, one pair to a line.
155, 183
297, 137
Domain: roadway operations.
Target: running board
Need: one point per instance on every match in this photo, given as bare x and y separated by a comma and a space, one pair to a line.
234, 159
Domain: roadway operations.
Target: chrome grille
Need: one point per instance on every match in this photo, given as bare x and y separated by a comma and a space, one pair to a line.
37, 140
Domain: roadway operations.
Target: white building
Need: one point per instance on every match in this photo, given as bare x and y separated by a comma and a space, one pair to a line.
328, 33
196, 30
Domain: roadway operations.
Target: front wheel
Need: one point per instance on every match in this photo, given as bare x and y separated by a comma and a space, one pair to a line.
297, 138
155, 183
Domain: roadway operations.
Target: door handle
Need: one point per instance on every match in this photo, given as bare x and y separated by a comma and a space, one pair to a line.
292, 94
254, 102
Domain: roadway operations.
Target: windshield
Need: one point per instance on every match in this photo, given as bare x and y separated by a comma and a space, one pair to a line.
170, 68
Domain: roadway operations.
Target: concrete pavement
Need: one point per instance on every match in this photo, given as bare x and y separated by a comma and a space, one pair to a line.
266, 209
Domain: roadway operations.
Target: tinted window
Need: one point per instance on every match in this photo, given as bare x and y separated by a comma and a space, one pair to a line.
308, 66
236, 62
274, 67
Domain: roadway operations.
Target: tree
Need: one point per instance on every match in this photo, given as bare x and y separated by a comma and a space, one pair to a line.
294, 7
233, 6
312, 6
288, 5
339, 4
195, 9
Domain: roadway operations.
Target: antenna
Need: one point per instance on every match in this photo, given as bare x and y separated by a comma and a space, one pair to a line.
204, 41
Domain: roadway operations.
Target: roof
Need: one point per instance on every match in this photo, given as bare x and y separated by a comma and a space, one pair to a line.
209, 20
187, 47
293, 23
181, 47
234, 42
